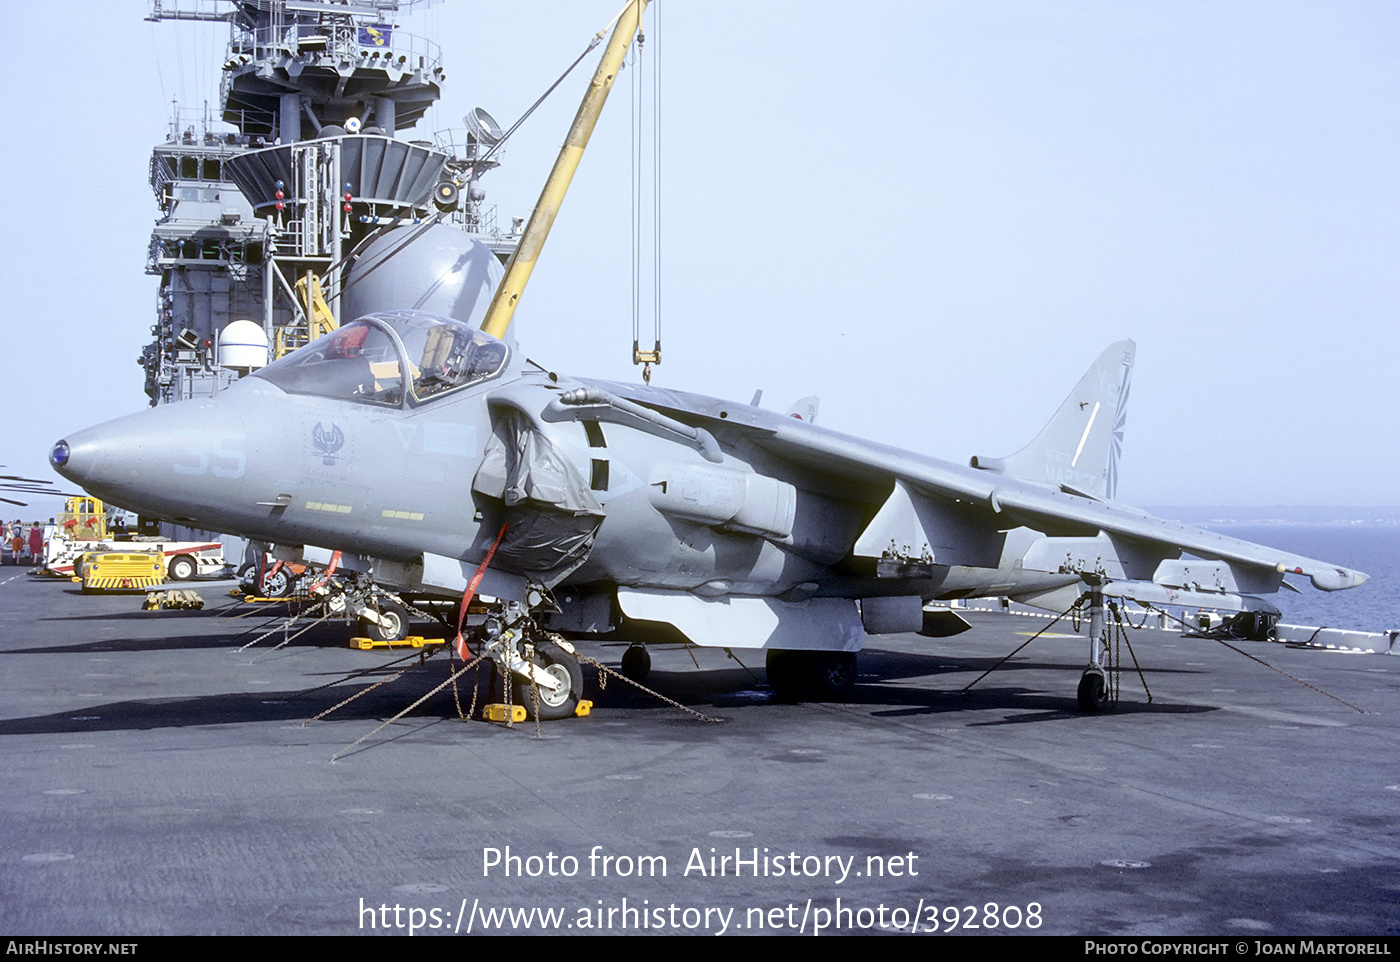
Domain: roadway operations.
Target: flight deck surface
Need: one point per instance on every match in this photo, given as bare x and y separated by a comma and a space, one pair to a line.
158, 780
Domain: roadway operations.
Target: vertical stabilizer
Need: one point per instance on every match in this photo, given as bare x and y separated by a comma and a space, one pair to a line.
1079, 448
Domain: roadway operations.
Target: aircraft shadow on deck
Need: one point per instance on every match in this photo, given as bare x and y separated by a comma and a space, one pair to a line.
884, 687
320, 636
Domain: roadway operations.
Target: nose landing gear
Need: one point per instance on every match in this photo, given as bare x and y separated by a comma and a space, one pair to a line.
543, 670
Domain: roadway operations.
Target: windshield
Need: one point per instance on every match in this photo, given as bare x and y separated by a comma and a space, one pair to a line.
357, 362
361, 361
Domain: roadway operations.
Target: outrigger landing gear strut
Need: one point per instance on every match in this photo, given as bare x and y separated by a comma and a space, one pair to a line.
1093, 685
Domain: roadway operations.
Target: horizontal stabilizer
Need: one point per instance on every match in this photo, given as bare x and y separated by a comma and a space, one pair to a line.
943, 623
805, 409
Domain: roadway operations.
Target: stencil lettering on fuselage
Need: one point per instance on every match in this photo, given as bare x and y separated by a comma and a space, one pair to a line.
219, 453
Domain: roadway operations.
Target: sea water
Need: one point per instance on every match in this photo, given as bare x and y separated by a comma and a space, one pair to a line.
1372, 547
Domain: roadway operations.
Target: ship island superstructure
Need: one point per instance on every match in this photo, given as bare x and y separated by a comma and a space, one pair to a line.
297, 176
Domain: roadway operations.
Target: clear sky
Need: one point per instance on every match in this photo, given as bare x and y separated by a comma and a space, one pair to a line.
932, 214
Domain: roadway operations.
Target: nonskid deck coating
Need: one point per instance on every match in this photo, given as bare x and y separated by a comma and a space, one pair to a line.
156, 780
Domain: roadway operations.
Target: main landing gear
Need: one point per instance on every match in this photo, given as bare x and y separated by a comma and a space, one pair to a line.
541, 669
826, 675
379, 614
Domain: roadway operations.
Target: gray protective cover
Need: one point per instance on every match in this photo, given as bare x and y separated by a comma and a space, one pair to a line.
552, 517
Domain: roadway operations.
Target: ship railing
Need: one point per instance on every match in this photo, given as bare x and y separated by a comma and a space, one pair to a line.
244, 118
177, 164
462, 145
475, 219
160, 176
381, 44
189, 10
196, 146
481, 219
153, 255
293, 242
194, 125
168, 249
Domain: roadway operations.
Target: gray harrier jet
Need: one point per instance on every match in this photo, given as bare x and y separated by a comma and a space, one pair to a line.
419, 448
421, 454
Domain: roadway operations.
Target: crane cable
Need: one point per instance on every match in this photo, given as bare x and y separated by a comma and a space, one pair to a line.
638, 113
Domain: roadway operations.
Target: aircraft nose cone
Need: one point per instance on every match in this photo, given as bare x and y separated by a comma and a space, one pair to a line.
75, 460
79, 458
58, 457
169, 461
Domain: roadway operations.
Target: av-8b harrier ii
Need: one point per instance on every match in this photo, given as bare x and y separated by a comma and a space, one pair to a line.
431, 456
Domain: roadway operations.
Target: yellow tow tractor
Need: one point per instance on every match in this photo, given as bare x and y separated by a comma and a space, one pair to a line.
82, 532
133, 570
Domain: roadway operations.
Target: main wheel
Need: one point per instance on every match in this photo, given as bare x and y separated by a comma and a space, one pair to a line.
833, 673
636, 663
787, 674
1093, 692
276, 583
392, 624
564, 668
182, 568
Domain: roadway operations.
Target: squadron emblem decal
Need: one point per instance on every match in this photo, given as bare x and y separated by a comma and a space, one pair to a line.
327, 444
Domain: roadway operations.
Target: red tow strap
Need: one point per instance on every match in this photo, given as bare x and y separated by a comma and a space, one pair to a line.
463, 652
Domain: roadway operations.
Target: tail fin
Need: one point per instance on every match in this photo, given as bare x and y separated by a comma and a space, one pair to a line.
1078, 450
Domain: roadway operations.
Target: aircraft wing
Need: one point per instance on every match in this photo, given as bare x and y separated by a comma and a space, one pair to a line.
945, 493
1041, 507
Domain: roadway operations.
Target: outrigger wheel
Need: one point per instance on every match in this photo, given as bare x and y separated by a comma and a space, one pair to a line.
1093, 690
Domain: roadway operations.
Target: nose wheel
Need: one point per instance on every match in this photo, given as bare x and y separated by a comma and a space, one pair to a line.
541, 669
390, 622
562, 669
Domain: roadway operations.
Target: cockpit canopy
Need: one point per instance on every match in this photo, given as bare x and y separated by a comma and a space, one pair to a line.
365, 360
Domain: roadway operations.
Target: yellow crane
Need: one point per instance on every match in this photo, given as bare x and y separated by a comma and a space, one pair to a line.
319, 319
522, 262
